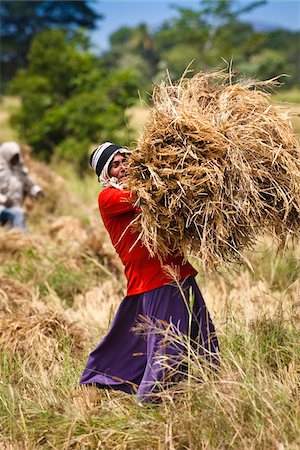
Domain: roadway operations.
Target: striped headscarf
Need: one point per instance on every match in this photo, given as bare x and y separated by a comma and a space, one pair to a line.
100, 160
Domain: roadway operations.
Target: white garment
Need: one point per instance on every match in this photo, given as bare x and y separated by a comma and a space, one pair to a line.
15, 182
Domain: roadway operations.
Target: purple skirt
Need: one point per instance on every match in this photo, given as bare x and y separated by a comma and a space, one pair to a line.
135, 362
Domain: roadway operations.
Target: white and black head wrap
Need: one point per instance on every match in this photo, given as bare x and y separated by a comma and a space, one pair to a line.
8, 150
100, 160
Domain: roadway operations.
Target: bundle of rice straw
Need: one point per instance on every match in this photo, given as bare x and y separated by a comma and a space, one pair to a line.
12, 241
39, 330
68, 228
216, 165
13, 294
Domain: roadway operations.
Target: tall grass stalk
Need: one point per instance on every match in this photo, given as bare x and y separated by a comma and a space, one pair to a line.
251, 402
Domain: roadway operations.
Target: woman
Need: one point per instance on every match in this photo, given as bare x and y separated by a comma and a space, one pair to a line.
126, 360
15, 185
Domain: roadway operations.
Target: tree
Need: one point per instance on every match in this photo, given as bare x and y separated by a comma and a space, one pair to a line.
207, 35
134, 48
69, 100
288, 44
22, 20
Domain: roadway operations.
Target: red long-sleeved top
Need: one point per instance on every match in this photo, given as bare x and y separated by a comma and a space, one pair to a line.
143, 272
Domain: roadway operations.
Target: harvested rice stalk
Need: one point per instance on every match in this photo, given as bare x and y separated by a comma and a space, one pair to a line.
12, 240
38, 330
216, 165
13, 294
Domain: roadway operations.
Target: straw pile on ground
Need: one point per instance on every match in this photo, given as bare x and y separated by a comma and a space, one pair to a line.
28, 327
13, 294
12, 241
215, 166
57, 196
37, 330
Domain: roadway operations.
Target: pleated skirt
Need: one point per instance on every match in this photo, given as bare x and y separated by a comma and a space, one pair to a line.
148, 338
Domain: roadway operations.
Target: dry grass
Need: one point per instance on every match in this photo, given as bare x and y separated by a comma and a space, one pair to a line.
295, 117
251, 402
38, 332
13, 294
59, 288
7, 105
12, 241
215, 165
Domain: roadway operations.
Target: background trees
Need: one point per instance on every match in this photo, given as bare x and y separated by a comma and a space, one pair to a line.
72, 98
69, 99
206, 35
22, 20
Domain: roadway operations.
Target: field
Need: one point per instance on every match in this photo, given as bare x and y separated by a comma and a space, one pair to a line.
60, 285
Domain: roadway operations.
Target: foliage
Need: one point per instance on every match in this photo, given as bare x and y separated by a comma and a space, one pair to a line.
69, 100
134, 48
206, 36
21, 21
72, 99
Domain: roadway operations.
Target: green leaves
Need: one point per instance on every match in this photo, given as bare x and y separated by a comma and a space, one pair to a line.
21, 21
67, 96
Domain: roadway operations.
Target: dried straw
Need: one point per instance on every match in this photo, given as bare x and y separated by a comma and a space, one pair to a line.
12, 241
39, 330
13, 294
215, 165
68, 229
57, 195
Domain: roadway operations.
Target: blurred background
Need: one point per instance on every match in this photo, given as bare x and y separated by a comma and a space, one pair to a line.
76, 73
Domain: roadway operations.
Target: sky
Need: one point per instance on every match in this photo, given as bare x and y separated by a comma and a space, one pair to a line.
117, 13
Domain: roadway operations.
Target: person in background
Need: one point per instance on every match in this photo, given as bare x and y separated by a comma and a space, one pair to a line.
15, 185
124, 359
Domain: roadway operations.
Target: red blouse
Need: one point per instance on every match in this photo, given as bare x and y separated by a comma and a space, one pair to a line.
143, 272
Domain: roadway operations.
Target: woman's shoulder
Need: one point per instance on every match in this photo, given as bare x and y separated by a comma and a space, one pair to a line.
111, 194
105, 192
105, 195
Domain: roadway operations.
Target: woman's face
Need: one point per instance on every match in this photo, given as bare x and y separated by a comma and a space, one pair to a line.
118, 167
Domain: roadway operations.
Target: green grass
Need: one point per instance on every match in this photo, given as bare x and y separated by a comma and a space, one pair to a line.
7, 106
84, 187
290, 99
290, 96
31, 266
251, 402
278, 271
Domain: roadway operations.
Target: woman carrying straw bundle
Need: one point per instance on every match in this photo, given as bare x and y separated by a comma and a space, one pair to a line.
217, 167
162, 293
